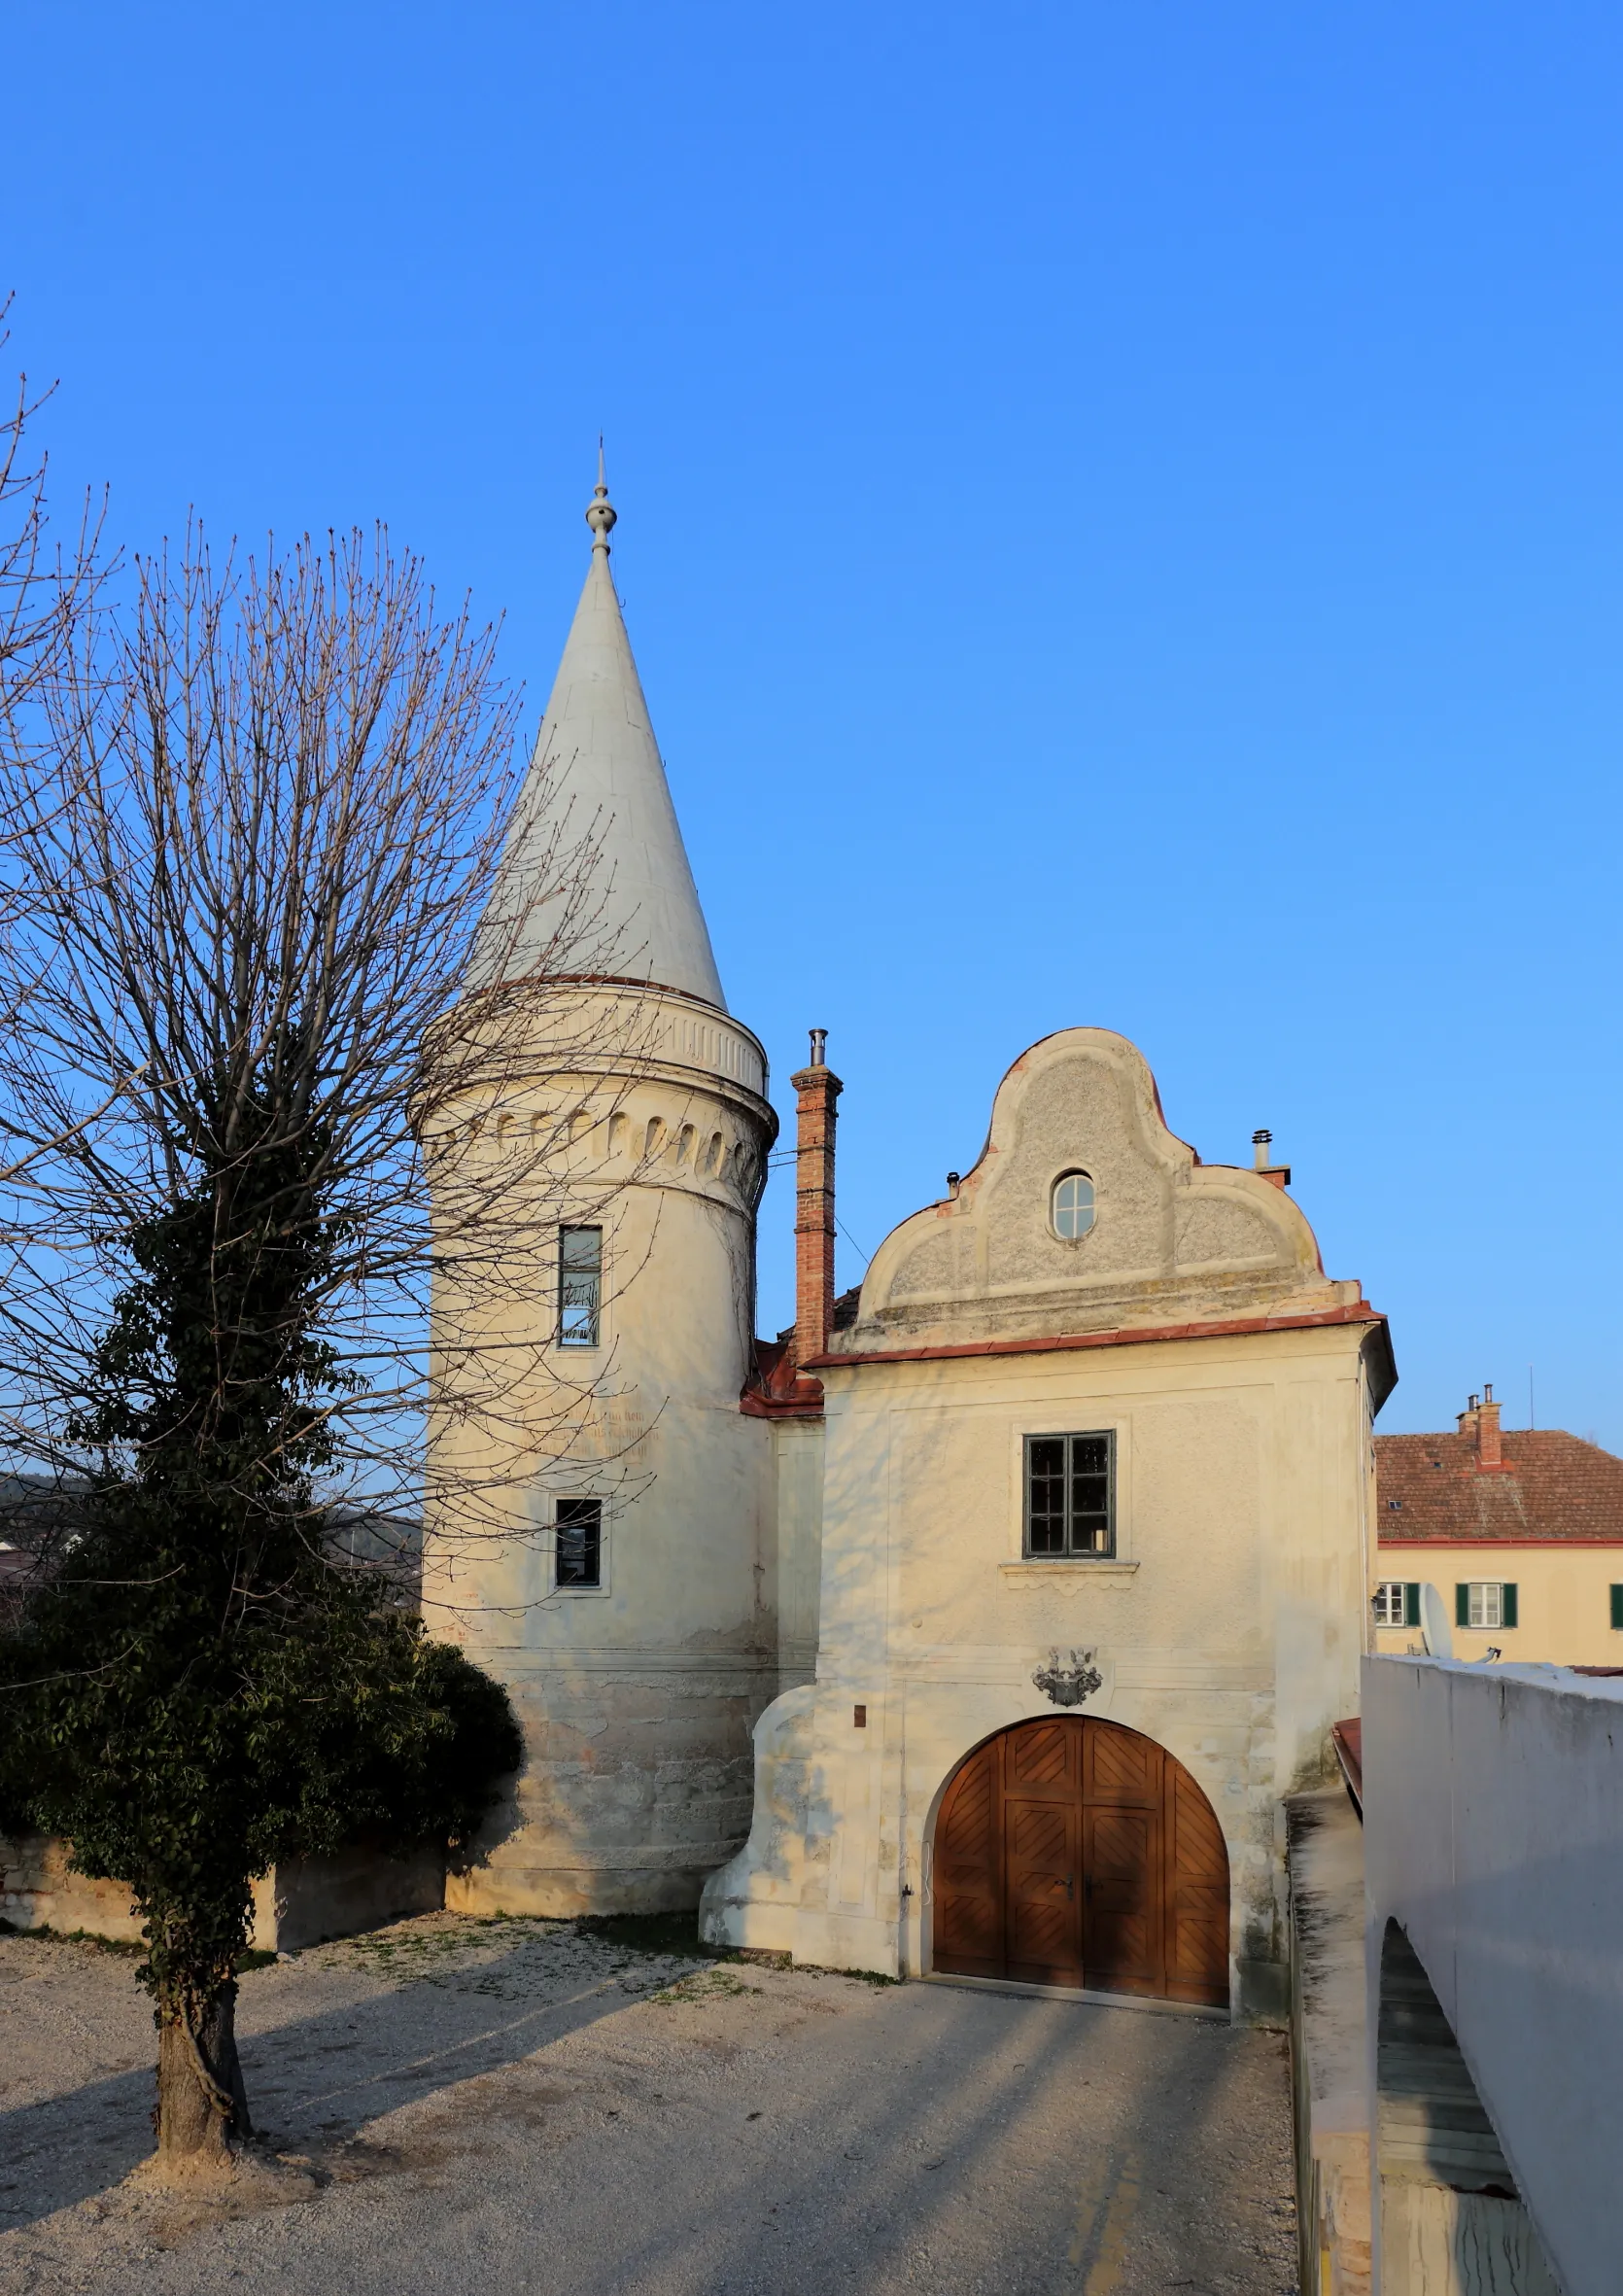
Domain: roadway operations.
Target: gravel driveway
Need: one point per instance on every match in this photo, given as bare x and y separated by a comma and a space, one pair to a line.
516, 2106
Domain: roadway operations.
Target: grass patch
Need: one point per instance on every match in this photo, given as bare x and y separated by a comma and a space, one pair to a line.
410, 1952
702, 1985
52, 1937
251, 1958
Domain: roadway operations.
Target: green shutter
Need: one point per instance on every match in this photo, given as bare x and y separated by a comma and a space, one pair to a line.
1411, 1602
1617, 1608
1462, 1606
1509, 1606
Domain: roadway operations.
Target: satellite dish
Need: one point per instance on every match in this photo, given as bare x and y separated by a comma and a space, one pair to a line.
1435, 1627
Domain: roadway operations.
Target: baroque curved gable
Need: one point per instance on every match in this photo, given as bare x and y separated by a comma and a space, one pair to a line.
1172, 1241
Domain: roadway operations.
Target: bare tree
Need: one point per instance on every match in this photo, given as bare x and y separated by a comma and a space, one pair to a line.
278, 959
42, 589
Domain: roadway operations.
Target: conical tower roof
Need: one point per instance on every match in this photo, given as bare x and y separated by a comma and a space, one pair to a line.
596, 775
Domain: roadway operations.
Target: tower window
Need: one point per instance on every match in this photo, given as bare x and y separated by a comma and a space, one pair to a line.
579, 1286
578, 1536
1070, 1494
1072, 1206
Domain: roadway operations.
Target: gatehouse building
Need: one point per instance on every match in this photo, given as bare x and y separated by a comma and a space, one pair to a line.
980, 1623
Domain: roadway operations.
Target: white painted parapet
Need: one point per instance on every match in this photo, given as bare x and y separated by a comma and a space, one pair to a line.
1494, 1837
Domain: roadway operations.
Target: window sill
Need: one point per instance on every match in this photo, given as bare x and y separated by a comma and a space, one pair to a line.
1069, 1566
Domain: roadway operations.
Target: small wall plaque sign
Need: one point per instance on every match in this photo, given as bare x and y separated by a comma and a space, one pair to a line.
1069, 1685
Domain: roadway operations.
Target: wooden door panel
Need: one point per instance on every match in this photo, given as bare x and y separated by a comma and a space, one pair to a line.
1042, 1908
1041, 1761
968, 1877
1197, 1894
1123, 1937
1120, 1766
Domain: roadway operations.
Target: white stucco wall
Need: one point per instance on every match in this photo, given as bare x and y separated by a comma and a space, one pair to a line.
635, 1698
1494, 1835
1194, 1319
1228, 1626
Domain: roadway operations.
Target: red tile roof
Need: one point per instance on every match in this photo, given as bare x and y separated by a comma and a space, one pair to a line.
1552, 1488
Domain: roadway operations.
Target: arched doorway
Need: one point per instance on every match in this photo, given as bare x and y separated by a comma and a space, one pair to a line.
1074, 1851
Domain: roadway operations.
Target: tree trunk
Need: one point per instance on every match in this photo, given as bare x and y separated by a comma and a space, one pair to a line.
200, 2121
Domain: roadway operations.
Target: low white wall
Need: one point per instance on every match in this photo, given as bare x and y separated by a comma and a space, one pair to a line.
300, 1902
1493, 1804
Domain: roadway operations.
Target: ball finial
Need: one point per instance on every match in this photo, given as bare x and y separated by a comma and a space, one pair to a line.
601, 513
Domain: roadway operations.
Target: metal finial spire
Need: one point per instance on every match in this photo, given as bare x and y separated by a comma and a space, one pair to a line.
601, 513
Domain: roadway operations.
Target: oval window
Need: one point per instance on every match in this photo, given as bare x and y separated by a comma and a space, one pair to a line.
1073, 1205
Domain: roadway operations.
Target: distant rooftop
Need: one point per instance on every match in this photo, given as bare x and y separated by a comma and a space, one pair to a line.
1545, 1485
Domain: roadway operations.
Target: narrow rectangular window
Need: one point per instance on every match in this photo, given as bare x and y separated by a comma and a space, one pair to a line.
579, 1286
1617, 1608
1070, 1494
579, 1540
1485, 1604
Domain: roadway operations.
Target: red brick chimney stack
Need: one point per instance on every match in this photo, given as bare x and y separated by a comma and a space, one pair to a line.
1487, 1432
1262, 1145
1480, 1421
819, 1089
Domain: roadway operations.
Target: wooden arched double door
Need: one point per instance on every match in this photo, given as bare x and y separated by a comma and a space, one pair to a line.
1073, 1851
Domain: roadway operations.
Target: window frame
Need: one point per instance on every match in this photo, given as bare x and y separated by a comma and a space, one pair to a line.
1508, 1606
580, 1586
1070, 1552
561, 1337
1073, 1172
1408, 1603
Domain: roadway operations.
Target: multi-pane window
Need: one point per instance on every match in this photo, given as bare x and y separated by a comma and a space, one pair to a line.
1072, 1206
1070, 1497
1484, 1602
578, 1534
1396, 1603
579, 1286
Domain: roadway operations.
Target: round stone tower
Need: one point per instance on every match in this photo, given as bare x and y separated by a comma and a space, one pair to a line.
620, 1580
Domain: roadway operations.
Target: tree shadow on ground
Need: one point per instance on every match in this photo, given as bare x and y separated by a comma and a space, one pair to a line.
762, 2146
316, 2080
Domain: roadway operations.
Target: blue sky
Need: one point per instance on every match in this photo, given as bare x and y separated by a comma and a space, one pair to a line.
1120, 520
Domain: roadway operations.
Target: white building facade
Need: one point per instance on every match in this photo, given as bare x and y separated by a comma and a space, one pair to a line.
982, 1622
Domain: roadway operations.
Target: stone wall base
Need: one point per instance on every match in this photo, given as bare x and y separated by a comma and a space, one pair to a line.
561, 1892
302, 1901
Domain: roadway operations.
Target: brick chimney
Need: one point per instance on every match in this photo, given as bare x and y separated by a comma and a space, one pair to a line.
817, 1089
1487, 1432
1479, 1421
1263, 1163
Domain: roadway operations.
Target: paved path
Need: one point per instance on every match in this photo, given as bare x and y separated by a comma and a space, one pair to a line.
515, 2109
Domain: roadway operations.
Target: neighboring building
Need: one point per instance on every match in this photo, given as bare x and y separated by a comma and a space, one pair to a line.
1521, 1533
1037, 1567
